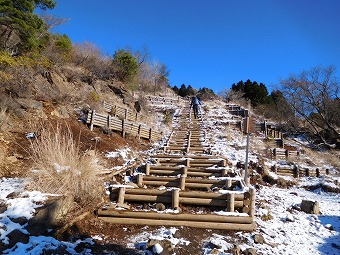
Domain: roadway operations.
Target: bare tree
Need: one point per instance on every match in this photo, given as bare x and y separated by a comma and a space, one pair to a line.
314, 96
90, 56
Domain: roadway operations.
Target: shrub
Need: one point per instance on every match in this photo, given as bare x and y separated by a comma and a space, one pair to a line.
61, 167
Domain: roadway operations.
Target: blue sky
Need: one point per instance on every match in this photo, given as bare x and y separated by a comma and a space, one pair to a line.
213, 43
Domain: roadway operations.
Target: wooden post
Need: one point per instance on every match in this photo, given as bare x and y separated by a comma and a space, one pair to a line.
150, 134
307, 172
175, 198
317, 172
126, 113
228, 183
108, 121
140, 180
189, 138
182, 181
187, 162
121, 195
147, 169
252, 201
246, 175
296, 171
265, 128
92, 117
123, 128
139, 128
114, 110
223, 163
184, 170
230, 202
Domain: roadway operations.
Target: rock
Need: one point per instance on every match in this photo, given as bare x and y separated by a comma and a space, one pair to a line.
3, 208
60, 112
215, 251
51, 214
10, 40
329, 226
17, 236
161, 247
249, 251
13, 195
157, 248
236, 250
26, 103
258, 238
20, 220
160, 207
290, 218
308, 206
213, 245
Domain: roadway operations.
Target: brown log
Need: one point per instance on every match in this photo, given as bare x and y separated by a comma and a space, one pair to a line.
176, 216
194, 224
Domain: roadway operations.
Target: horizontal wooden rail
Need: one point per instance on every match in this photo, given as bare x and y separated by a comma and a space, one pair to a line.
122, 126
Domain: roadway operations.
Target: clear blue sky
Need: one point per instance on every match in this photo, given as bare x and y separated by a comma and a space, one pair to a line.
213, 43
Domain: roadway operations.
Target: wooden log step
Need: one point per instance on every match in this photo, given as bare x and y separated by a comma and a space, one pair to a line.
167, 156
175, 216
192, 194
194, 224
182, 200
189, 173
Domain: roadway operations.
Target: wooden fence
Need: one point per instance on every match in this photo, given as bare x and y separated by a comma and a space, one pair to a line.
162, 100
297, 171
121, 112
123, 126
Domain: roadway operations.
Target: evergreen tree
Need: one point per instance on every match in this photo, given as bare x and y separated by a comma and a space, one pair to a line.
125, 66
182, 91
17, 16
257, 94
175, 89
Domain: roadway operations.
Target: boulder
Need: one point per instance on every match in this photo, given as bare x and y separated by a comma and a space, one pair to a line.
50, 215
311, 207
10, 40
17, 236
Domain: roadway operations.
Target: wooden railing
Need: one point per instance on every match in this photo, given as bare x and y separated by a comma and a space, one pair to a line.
123, 126
297, 171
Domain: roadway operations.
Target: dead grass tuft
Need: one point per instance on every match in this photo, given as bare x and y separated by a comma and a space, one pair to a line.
61, 167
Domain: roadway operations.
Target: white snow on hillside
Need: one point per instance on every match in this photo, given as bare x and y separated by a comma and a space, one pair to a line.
285, 229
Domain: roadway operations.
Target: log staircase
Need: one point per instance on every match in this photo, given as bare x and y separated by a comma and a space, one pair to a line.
184, 186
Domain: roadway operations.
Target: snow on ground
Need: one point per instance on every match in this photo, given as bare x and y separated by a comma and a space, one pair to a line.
20, 203
285, 229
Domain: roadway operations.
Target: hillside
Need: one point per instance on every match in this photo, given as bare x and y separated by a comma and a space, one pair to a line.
281, 223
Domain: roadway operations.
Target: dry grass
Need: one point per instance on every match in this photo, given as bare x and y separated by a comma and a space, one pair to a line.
61, 167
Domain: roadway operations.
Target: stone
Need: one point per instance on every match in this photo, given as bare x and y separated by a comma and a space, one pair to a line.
249, 251
52, 213
290, 218
20, 220
258, 239
329, 227
17, 236
311, 207
160, 207
13, 195
236, 250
